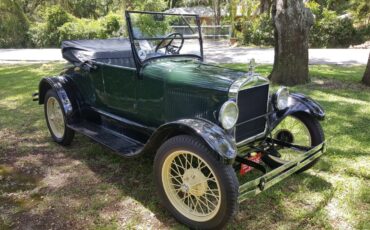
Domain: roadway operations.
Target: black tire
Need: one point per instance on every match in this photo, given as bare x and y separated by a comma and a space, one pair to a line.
225, 174
317, 137
68, 134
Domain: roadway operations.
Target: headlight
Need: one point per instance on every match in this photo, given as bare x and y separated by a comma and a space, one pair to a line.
229, 113
281, 98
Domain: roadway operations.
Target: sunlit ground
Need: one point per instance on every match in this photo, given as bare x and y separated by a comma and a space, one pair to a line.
46, 186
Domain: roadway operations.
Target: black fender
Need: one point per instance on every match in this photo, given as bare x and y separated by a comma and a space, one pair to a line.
217, 139
298, 103
63, 86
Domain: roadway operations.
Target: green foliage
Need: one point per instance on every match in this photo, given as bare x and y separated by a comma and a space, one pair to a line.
149, 26
363, 32
13, 25
111, 23
60, 26
80, 29
361, 10
38, 35
332, 31
44, 23
329, 30
56, 17
315, 7
46, 34
104, 27
258, 31
150, 5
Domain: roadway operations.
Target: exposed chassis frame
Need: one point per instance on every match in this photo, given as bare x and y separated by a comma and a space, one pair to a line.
273, 177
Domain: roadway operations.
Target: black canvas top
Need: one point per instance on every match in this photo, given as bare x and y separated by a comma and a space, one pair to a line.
78, 51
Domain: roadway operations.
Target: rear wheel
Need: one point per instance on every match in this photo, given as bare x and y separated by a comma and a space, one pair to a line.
298, 129
193, 185
56, 120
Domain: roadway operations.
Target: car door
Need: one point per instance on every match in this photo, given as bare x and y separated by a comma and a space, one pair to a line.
120, 85
90, 85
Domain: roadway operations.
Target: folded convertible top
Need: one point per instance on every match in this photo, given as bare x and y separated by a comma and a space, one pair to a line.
79, 51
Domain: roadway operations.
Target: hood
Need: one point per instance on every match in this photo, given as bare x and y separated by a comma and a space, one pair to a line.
188, 72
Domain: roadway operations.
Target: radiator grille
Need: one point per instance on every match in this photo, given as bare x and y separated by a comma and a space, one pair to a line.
252, 104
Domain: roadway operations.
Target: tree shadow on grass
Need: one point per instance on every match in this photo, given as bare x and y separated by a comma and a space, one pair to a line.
86, 185
278, 205
135, 180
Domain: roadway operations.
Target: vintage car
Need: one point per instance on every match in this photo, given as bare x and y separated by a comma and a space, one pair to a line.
206, 125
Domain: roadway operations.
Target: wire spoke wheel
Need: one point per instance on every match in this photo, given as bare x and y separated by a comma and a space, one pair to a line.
191, 185
299, 129
292, 130
197, 188
56, 120
55, 117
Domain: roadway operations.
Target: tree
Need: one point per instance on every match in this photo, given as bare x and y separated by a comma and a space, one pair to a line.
292, 22
366, 77
216, 4
265, 6
13, 25
361, 10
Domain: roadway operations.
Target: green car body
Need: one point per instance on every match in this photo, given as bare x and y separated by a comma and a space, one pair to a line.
163, 91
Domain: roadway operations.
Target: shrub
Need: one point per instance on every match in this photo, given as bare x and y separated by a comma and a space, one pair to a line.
258, 31
113, 25
329, 30
56, 17
105, 27
364, 32
60, 26
38, 35
80, 29
46, 34
333, 32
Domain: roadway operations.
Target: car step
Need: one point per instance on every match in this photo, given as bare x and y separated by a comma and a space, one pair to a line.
119, 143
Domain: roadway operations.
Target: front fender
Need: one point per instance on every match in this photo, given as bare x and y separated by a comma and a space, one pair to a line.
298, 103
220, 142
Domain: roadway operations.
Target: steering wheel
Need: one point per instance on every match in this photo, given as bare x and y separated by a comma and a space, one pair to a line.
171, 49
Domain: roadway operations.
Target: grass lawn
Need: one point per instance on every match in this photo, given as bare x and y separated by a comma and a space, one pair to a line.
46, 186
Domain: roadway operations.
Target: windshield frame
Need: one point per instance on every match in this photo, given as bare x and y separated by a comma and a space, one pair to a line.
140, 63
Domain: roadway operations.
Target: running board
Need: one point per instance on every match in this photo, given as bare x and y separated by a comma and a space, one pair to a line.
117, 142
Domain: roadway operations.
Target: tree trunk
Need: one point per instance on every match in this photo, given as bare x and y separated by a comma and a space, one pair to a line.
292, 22
265, 6
366, 77
233, 10
217, 11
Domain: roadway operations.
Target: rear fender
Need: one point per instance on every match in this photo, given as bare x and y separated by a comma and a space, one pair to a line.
298, 103
63, 87
219, 141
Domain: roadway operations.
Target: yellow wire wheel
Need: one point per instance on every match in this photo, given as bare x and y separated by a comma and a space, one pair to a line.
198, 188
191, 185
55, 117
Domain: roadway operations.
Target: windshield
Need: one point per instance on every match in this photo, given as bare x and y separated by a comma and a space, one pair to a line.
160, 34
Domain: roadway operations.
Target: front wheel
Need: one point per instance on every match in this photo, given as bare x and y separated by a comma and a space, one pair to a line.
298, 129
198, 190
